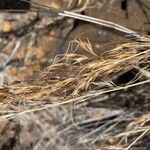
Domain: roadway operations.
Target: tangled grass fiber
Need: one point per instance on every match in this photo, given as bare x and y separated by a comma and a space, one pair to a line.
78, 78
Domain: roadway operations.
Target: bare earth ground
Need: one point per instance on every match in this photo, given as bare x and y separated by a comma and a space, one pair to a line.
30, 42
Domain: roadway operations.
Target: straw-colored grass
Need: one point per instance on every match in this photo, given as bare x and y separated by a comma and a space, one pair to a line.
77, 78
72, 74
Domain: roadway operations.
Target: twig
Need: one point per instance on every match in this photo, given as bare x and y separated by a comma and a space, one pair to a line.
103, 23
100, 22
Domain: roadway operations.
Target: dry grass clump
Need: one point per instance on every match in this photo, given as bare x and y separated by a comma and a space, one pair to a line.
89, 78
73, 73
